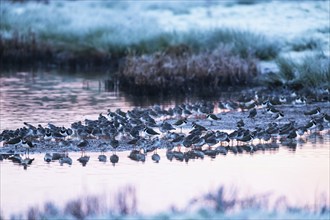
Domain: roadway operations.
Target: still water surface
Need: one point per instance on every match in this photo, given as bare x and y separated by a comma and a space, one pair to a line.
301, 175
42, 97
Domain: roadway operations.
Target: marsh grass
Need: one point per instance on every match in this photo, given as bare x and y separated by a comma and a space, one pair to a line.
179, 70
324, 29
30, 32
302, 44
122, 203
218, 204
311, 71
100, 44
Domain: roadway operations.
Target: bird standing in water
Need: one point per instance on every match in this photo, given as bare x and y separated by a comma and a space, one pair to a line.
82, 145
252, 113
114, 159
155, 157
83, 160
180, 123
28, 145
213, 117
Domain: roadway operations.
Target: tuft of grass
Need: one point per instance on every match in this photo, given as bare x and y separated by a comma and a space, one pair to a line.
179, 69
250, 2
302, 44
311, 71
324, 29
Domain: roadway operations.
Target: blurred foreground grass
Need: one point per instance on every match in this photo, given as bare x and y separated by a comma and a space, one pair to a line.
219, 204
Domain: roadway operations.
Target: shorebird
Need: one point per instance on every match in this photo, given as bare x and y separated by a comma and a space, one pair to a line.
313, 112
114, 159
198, 126
247, 138
57, 156
221, 137
14, 141
292, 135
82, 145
28, 145
240, 123
48, 135
221, 150
149, 132
48, 157
326, 118
66, 159
279, 116
114, 144
310, 125
83, 160
178, 155
300, 101
26, 161
212, 117
272, 110
180, 123
137, 155
231, 106
252, 113
178, 141
31, 129
166, 127
102, 158
155, 157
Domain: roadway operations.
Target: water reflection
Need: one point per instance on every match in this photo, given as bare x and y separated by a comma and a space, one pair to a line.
62, 98
51, 97
286, 175
45, 97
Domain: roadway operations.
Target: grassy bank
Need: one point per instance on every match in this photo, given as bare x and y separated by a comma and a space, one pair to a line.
312, 71
95, 49
50, 33
219, 204
148, 52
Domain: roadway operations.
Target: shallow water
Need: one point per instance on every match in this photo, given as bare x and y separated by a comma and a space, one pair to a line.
301, 175
38, 98
60, 98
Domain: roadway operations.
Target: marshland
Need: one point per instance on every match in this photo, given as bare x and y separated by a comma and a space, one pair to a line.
165, 110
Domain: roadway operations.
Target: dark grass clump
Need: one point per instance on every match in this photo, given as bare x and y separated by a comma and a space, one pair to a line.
181, 71
250, 2
312, 71
27, 50
305, 44
240, 42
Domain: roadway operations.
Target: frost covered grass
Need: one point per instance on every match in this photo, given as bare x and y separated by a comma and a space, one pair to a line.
311, 71
180, 70
218, 204
85, 35
304, 43
52, 31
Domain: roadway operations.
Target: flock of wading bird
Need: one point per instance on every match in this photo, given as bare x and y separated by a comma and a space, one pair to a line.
144, 131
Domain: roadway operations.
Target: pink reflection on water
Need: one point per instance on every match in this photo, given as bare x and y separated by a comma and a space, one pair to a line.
49, 97
301, 176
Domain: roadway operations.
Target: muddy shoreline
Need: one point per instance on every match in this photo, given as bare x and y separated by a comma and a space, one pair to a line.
228, 123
